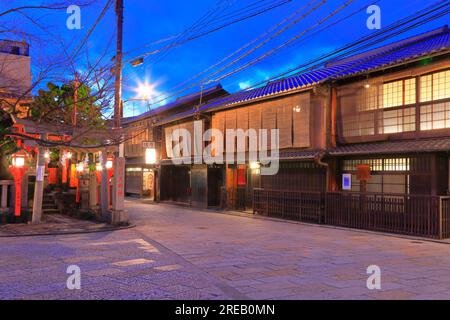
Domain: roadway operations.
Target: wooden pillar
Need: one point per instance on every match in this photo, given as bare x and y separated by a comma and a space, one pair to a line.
104, 189
4, 203
39, 186
93, 191
434, 173
24, 196
332, 174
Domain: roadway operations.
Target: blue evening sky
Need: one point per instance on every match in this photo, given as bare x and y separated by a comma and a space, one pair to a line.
147, 21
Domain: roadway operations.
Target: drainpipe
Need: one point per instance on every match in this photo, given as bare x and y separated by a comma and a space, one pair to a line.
318, 159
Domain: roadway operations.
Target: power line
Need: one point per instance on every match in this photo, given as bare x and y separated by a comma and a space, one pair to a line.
264, 35
265, 54
314, 63
196, 36
413, 17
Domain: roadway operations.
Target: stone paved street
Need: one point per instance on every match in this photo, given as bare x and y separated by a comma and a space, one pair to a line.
180, 253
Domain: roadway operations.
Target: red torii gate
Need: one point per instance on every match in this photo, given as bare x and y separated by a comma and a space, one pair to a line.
18, 166
27, 134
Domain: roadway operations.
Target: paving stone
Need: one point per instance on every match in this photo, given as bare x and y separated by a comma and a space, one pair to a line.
168, 256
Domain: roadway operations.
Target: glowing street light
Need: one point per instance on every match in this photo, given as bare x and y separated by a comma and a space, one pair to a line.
18, 170
109, 163
18, 160
145, 91
255, 165
80, 167
150, 156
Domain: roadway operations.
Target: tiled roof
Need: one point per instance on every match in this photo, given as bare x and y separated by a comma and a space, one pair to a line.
397, 53
389, 55
300, 155
177, 103
407, 146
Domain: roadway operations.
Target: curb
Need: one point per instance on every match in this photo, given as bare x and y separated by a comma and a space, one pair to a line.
252, 216
68, 232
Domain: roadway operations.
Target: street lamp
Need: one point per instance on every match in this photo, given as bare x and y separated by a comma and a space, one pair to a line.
150, 156
145, 91
255, 165
18, 159
17, 169
109, 163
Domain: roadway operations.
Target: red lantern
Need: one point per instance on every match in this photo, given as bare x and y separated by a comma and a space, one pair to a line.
17, 169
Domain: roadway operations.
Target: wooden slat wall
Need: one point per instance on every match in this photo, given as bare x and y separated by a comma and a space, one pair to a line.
169, 143
137, 133
269, 121
284, 124
230, 123
230, 119
301, 121
294, 127
218, 122
242, 123
254, 121
189, 126
197, 149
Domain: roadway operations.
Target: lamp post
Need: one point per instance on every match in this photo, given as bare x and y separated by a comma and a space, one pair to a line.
17, 169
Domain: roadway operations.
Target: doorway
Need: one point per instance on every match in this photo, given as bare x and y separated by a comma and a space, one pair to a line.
148, 184
215, 182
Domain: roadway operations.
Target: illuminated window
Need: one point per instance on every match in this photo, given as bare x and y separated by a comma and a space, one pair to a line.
392, 94
435, 86
435, 116
387, 175
361, 124
399, 93
410, 91
396, 121
390, 164
368, 98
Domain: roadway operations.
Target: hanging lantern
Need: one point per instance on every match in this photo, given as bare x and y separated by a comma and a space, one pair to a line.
18, 159
17, 169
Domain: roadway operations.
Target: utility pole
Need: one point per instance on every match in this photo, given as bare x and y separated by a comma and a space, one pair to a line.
118, 67
119, 215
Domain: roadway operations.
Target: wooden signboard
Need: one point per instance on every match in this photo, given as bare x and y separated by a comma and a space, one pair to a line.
363, 172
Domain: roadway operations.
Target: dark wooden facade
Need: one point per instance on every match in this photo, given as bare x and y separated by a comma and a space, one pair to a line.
145, 180
326, 132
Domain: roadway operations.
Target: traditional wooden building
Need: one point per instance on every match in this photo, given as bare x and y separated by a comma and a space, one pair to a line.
142, 177
364, 142
298, 114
